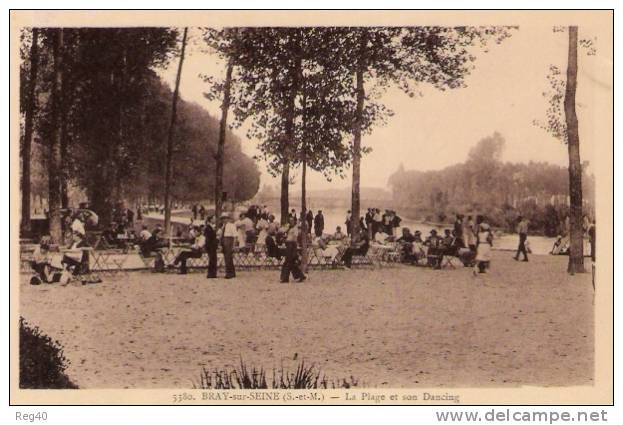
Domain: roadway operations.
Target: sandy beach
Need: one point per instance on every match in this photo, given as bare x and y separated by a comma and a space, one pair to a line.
521, 324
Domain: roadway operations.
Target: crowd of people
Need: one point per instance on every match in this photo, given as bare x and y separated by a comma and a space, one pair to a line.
256, 229
75, 259
562, 244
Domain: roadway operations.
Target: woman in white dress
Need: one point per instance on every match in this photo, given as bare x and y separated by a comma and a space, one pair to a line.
262, 228
241, 231
484, 239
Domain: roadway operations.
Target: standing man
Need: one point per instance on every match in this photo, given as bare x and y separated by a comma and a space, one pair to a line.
319, 224
469, 234
292, 257
396, 220
229, 235
522, 229
309, 217
347, 222
211, 245
458, 231
591, 239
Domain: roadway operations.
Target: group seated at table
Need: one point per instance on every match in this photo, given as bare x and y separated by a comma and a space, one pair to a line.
74, 262
413, 249
117, 236
326, 250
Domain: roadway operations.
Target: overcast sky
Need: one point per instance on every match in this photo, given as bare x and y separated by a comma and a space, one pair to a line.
503, 93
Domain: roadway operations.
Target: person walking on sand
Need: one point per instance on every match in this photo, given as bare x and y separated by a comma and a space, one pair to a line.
229, 235
522, 229
291, 264
211, 244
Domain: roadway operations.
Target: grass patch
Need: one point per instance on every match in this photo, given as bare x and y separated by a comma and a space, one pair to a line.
306, 376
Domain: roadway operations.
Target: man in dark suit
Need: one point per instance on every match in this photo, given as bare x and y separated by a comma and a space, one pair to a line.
291, 263
356, 248
319, 224
211, 246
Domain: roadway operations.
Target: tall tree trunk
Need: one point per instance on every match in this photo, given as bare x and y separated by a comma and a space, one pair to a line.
356, 200
169, 163
304, 229
576, 255
285, 186
31, 105
289, 139
220, 150
64, 160
54, 153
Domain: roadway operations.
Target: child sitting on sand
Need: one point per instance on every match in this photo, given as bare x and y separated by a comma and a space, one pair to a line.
41, 264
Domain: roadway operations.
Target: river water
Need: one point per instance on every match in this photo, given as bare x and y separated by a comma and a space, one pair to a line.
334, 217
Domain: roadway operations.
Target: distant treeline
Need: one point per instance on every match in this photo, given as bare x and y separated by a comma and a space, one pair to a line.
485, 185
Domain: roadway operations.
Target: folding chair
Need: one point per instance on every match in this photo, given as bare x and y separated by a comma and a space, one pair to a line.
448, 261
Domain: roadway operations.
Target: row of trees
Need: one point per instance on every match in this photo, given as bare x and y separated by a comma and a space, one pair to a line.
94, 106
310, 94
483, 184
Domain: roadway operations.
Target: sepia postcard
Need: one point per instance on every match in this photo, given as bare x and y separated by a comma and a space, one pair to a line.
311, 207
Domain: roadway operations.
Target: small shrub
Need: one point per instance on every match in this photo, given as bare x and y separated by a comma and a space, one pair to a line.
243, 377
41, 361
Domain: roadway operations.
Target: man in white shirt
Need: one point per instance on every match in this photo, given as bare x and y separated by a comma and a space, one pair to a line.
77, 226
291, 263
229, 235
144, 234
522, 230
196, 251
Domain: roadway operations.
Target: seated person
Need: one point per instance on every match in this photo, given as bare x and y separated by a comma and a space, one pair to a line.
419, 249
558, 246
381, 237
272, 246
41, 264
153, 242
109, 236
325, 250
75, 261
279, 234
449, 243
357, 248
195, 251
338, 235
435, 249
406, 243
192, 233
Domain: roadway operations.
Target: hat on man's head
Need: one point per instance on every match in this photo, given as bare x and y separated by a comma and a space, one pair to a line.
484, 226
224, 215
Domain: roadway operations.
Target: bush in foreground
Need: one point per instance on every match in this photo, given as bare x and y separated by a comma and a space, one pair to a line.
41, 361
243, 377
